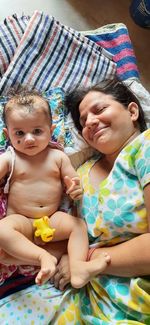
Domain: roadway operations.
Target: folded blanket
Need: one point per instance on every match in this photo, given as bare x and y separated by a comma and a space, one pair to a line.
50, 55
115, 38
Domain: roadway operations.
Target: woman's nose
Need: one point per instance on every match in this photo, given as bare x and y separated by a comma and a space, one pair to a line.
91, 120
29, 138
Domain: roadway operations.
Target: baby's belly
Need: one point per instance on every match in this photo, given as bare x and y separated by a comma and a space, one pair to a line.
32, 212
32, 204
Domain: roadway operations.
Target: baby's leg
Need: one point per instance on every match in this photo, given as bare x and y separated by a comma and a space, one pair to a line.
56, 249
82, 272
16, 239
75, 229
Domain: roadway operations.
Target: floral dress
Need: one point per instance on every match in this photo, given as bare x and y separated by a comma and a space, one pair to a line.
114, 213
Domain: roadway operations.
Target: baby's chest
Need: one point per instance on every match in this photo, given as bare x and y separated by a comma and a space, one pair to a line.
35, 170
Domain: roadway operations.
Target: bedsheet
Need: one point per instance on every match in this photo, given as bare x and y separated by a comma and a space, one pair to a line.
43, 53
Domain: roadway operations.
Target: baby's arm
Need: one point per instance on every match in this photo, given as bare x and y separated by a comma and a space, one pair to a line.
74, 188
70, 178
4, 164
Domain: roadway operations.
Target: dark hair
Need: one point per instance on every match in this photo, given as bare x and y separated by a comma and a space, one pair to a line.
117, 89
24, 96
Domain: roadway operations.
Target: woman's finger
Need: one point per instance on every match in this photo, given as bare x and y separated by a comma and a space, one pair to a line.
57, 278
62, 283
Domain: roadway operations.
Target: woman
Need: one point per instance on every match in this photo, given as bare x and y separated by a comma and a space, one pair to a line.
116, 207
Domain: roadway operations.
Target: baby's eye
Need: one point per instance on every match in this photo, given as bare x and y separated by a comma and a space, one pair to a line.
37, 131
19, 133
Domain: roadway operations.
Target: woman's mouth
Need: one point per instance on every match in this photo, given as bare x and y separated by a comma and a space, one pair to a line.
99, 131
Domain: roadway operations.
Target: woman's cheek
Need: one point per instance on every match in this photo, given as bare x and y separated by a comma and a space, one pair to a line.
84, 134
87, 135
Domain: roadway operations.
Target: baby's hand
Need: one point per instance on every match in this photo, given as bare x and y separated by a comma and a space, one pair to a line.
74, 189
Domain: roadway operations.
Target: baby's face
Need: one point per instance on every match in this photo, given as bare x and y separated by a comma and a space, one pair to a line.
29, 131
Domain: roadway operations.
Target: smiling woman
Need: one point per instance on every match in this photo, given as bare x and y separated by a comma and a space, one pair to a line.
116, 89
104, 119
115, 202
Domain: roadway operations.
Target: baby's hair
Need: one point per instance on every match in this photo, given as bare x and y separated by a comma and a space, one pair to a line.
24, 96
116, 88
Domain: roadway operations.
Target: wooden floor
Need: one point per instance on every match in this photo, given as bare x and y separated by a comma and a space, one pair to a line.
90, 14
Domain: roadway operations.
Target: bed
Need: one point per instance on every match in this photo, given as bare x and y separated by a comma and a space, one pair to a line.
41, 52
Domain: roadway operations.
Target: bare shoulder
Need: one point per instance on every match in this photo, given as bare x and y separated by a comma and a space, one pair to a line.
5, 163
5, 157
59, 154
63, 162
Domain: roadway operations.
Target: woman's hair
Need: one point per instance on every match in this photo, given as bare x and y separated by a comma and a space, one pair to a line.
120, 92
23, 96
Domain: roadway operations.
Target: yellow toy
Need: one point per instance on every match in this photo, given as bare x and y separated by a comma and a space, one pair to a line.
43, 229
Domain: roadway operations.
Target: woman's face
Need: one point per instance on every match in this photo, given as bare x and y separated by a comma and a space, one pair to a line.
107, 124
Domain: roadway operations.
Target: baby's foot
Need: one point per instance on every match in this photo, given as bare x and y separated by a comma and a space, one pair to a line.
82, 272
48, 267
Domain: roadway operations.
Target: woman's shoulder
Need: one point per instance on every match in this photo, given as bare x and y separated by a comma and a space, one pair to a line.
136, 151
145, 135
139, 143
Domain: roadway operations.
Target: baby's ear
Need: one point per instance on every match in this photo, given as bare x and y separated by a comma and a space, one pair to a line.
5, 131
134, 111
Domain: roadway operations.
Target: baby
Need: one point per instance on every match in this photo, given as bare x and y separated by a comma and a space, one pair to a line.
36, 173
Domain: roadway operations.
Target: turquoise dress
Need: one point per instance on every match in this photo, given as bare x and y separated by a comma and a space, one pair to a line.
114, 213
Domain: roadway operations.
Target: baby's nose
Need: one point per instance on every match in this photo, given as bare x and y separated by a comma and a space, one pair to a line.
29, 138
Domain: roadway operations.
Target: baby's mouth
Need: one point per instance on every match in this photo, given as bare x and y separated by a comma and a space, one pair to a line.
30, 147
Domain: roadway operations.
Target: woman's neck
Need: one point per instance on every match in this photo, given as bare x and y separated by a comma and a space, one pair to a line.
110, 158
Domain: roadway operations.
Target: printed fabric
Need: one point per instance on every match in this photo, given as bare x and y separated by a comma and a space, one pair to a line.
106, 300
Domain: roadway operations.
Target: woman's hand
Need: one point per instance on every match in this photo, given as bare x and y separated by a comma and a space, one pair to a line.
62, 275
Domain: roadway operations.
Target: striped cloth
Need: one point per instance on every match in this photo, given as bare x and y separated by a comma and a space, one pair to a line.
49, 54
115, 39
11, 32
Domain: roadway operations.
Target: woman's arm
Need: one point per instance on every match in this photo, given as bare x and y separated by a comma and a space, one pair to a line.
131, 258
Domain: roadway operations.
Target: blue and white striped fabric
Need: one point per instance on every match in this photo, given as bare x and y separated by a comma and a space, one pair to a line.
49, 54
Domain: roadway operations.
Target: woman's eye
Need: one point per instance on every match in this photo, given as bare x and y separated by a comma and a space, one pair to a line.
37, 131
100, 109
19, 133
